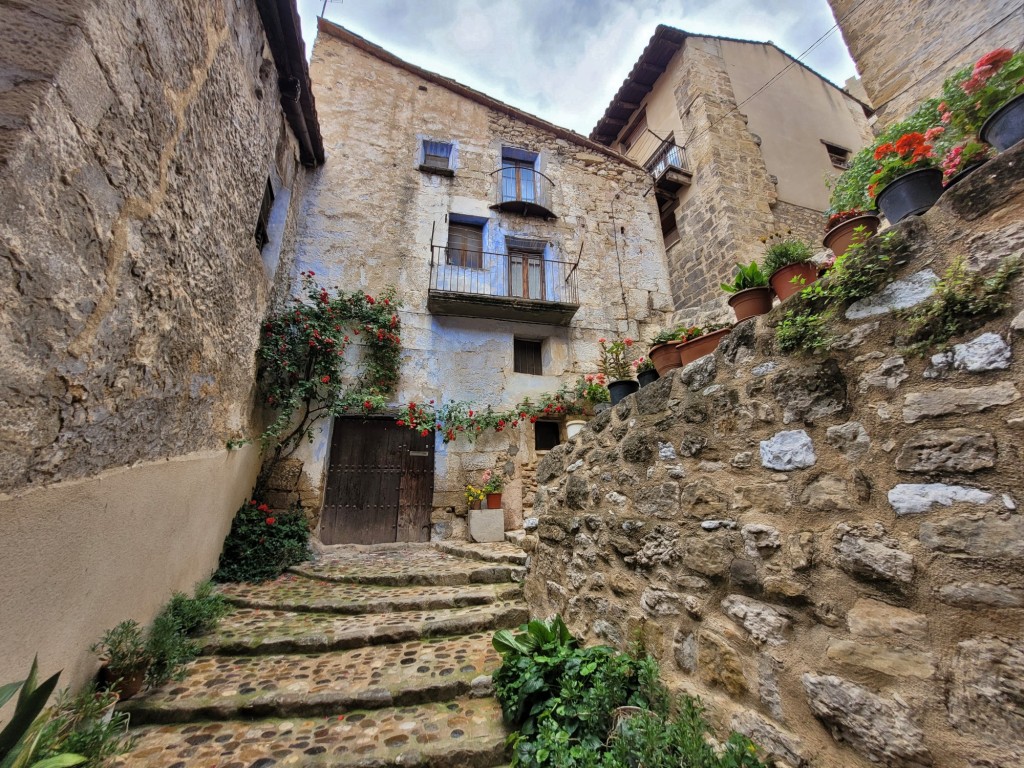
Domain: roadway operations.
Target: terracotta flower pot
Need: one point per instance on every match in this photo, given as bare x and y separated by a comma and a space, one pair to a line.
910, 195
665, 357
125, 684
621, 388
647, 377
702, 345
842, 235
474, 504
494, 501
782, 280
1005, 126
750, 302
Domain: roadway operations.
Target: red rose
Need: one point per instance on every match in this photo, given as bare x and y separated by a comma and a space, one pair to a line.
263, 508
325, 379
271, 520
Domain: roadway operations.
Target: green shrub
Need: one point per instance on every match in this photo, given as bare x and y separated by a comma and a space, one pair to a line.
195, 615
782, 251
262, 544
169, 650
83, 724
563, 700
747, 276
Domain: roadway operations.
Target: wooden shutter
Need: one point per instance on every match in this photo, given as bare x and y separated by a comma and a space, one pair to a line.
526, 357
466, 245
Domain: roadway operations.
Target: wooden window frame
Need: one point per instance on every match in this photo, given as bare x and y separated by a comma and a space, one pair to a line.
461, 256
528, 356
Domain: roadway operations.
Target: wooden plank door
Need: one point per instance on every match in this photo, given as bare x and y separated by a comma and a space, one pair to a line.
371, 479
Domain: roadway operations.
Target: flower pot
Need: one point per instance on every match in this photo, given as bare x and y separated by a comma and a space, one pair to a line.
647, 377
125, 684
573, 427
665, 357
494, 501
910, 195
960, 175
842, 235
622, 387
474, 504
750, 302
1005, 126
793, 278
702, 345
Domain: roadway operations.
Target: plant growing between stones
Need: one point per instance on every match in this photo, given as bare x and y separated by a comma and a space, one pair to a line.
963, 300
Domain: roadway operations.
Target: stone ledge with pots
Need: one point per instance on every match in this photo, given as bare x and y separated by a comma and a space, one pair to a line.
828, 550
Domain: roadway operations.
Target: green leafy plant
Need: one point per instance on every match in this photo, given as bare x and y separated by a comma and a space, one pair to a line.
971, 95
261, 543
666, 335
802, 331
963, 300
747, 276
86, 724
643, 365
781, 250
198, 614
20, 737
169, 650
615, 358
124, 650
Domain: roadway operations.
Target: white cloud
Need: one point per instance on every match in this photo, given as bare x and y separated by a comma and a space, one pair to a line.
564, 59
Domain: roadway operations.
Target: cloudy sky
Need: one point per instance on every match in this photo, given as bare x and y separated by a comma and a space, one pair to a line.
564, 59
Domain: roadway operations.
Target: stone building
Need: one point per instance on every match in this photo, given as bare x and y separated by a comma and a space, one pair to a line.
904, 50
149, 157
736, 152
514, 244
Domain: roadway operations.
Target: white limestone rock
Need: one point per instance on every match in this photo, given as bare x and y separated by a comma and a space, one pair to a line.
899, 294
917, 498
788, 450
987, 352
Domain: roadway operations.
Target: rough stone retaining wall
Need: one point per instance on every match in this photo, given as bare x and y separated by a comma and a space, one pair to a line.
827, 549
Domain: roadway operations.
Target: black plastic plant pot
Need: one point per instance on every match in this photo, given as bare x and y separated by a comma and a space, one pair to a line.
1005, 126
911, 194
620, 388
647, 377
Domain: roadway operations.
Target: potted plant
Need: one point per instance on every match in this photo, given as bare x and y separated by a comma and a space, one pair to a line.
697, 341
906, 181
750, 292
493, 483
846, 227
615, 364
645, 371
787, 262
474, 496
963, 159
126, 658
989, 98
582, 401
663, 352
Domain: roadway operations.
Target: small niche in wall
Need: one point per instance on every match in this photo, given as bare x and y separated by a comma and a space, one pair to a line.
546, 435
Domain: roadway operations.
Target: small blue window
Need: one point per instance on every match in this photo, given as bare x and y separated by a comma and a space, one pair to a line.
437, 154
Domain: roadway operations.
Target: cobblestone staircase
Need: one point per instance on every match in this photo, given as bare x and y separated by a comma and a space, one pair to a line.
369, 657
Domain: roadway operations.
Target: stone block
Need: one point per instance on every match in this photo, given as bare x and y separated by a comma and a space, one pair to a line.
917, 498
899, 294
976, 536
898, 663
940, 402
487, 525
764, 623
873, 618
973, 594
873, 559
788, 450
986, 693
950, 450
987, 352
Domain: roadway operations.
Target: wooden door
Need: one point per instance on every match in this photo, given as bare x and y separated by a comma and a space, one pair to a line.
380, 483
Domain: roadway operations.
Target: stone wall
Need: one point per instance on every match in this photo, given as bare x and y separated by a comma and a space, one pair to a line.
826, 549
905, 50
371, 216
137, 141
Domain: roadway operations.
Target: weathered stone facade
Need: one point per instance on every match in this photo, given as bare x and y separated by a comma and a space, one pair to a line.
372, 214
905, 50
137, 141
758, 157
826, 549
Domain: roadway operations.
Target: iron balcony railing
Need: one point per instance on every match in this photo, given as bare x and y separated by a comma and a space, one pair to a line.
517, 275
668, 155
523, 189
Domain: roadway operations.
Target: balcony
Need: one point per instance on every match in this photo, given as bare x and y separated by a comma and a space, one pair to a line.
519, 286
669, 169
524, 191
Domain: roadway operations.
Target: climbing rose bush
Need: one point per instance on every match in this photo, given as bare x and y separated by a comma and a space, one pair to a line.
262, 543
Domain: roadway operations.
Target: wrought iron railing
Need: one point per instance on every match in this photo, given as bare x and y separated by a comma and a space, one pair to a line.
516, 184
668, 155
510, 275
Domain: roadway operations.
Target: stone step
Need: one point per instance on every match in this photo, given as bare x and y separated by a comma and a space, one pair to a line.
407, 565
247, 631
497, 552
466, 732
292, 592
305, 685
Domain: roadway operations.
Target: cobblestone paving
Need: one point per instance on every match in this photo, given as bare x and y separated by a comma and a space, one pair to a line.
298, 593
330, 667
221, 687
466, 733
406, 566
248, 630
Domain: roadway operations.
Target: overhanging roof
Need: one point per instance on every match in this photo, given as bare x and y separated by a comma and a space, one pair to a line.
664, 44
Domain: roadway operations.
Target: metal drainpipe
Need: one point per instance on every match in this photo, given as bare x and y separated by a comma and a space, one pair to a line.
291, 91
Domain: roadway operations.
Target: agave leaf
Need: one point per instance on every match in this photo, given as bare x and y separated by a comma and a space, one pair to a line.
9, 690
60, 761
505, 642
25, 714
